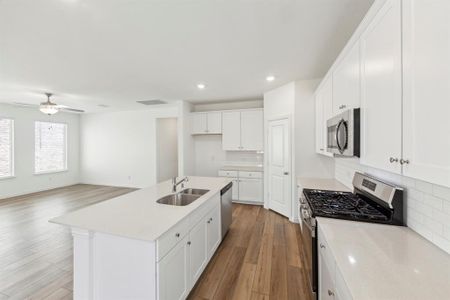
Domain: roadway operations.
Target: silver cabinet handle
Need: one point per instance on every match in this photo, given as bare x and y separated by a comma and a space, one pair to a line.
177, 234
322, 246
393, 160
286, 173
342, 106
404, 161
330, 293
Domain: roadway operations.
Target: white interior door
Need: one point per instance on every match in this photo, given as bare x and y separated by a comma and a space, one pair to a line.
279, 165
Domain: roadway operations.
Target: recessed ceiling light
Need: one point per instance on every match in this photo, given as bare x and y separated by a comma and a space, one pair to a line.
201, 86
270, 78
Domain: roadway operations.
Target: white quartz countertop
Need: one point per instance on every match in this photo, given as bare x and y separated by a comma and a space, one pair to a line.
387, 262
137, 215
243, 168
321, 184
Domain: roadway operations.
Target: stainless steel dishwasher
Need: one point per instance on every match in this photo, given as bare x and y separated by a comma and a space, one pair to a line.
226, 208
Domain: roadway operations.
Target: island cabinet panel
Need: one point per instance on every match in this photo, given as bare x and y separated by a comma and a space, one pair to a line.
214, 231
198, 252
174, 273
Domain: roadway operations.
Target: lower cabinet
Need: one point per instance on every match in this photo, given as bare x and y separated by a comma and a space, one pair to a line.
247, 186
331, 283
182, 266
173, 281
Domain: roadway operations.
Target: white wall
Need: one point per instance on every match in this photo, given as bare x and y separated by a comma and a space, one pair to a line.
25, 181
427, 205
167, 148
119, 148
307, 162
296, 100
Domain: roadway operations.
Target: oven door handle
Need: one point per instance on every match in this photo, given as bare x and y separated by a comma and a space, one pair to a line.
309, 226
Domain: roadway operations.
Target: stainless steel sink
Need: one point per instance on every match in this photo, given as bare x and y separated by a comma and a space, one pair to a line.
192, 191
179, 199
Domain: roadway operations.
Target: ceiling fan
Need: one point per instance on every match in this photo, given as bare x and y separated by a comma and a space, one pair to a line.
50, 108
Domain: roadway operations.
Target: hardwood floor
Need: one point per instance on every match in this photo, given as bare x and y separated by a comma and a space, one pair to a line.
35, 255
258, 259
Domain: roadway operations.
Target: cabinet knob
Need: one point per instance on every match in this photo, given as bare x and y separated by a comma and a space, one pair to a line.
286, 173
209, 221
393, 160
330, 293
322, 246
177, 234
321, 149
404, 161
342, 106
189, 243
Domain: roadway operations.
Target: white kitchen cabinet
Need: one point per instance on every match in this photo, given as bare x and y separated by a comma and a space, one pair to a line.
426, 91
324, 111
214, 231
381, 90
231, 138
250, 190
197, 250
214, 120
242, 130
174, 270
326, 280
346, 81
206, 123
247, 186
252, 126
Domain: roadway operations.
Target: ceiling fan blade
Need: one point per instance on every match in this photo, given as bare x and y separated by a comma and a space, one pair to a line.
68, 109
25, 104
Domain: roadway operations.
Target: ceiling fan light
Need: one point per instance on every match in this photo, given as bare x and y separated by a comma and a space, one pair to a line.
48, 109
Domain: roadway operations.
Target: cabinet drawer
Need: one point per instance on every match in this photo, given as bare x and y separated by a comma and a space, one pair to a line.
223, 173
200, 212
168, 240
245, 174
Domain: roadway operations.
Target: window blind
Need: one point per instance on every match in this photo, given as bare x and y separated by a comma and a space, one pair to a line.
50, 147
6, 148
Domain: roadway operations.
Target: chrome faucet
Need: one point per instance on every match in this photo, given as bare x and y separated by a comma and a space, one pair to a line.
175, 183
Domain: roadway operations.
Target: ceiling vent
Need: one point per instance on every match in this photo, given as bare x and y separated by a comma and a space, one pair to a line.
151, 102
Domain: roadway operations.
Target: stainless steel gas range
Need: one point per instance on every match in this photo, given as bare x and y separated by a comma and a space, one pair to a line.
371, 201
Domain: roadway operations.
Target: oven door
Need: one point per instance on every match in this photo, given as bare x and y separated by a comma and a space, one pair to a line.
309, 243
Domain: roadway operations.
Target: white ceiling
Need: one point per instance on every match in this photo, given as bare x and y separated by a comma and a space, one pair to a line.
115, 52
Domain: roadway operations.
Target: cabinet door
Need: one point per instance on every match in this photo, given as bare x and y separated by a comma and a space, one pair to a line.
173, 269
198, 252
320, 148
250, 190
326, 280
199, 123
235, 189
252, 126
381, 90
426, 98
346, 81
231, 131
214, 231
214, 121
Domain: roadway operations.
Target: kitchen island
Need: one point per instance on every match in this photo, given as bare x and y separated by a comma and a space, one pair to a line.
132, 247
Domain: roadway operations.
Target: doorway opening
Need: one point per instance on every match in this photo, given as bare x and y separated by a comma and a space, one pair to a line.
166, 149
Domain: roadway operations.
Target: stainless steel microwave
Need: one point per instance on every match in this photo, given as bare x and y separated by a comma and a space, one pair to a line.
343, 133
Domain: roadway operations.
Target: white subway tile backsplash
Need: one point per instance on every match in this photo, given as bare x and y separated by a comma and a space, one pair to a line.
427, 205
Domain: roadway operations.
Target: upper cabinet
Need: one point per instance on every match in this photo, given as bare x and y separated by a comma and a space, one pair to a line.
324, 111
346, 81
243, 130
207, 123
381, 89
426, 90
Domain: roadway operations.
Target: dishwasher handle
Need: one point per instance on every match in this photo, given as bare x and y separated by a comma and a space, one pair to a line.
226, 188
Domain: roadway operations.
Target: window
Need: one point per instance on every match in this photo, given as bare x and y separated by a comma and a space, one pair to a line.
50, 153
6, 148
